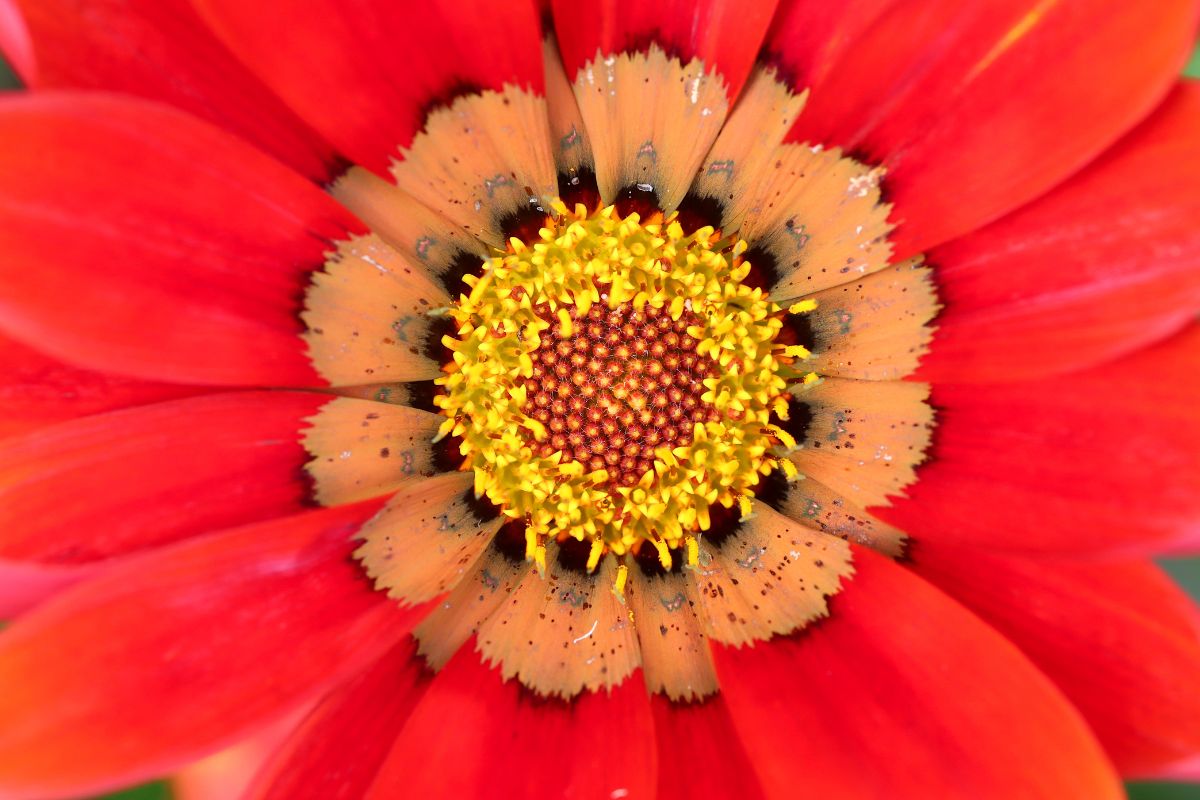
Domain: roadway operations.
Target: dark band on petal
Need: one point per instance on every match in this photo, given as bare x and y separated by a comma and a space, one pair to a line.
639, 198
573, 554
800, 419
421, 394
724, 525
524, 223
773, 488
432, 346
764, 269
510, 541
481, 508
446, 455
647, 560
579, 187
461, 265
697, 211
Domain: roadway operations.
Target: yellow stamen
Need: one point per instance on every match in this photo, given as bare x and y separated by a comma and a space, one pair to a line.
746, 507
594, 554
664, 554
803, 307
619, 584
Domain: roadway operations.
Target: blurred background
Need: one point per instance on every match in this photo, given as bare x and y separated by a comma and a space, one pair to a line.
1185, 571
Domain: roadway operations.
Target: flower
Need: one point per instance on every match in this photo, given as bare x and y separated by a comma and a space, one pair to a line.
605, 400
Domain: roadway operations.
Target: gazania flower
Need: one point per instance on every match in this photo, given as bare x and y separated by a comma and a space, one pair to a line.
606, 400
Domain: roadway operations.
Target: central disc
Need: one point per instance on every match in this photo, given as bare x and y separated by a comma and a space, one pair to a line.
621, 385
612, 380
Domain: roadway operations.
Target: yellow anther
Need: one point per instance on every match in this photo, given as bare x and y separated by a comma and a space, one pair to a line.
664, 553
797, 351
803, 307
693, 551
746, 506
619, 584
789, 469
786, 438
594, 554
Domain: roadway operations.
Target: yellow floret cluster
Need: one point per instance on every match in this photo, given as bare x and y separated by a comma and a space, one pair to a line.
585, 259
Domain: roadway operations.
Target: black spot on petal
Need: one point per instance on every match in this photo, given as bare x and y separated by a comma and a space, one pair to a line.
481, 508
725, 524
579, 188
432, 347
421, 394
573, 554
800, 419
525, 222
638, 198
696, 211
510, 541
773, 489
463, 264
764, 269
446, 454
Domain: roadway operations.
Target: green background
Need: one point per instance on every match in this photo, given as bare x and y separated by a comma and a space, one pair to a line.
1186, 571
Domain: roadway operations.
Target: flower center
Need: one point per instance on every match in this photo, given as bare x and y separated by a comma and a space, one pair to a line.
613, 380
622, 385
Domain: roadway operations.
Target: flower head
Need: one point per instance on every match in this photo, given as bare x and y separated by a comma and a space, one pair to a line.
600, 400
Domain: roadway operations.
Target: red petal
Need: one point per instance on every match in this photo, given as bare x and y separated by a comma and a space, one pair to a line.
976, 108
365, 72
160, 50
110, 484
183, 651
22, 586
473, 735
1105, 264
15, 44
723, 34
808, 38
1187, 770
700, 752
1107, 459
142, 241
1119, 640
227, 773
335, 753
904, 694
36, 390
